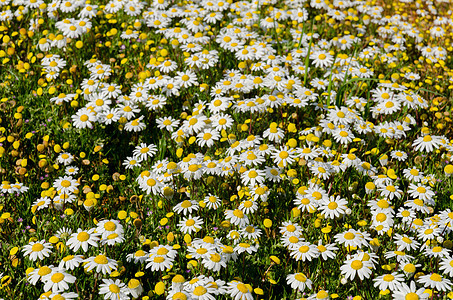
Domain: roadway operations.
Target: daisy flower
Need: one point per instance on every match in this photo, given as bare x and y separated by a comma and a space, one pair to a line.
214, 261
71, 170
437, 252
290, 229
207, 137
248, 206
222, 121
352, 238
283, 156
356, 266
138, 256
274, 134
253, 177
334, 207
114, 290
420, 191
238, 290
63, 296
409, 292
57, 280
101, 263
131, 162
201, 250
186, 207
298, 281
36, 274
83, 239
219, 104
391, 191
167, 123
413, 174
321, 58
417, 205
446, 266
408, 268
150, 184
84, 118
391, 281
135, 125
144, 151
155, 102
135, 288
251, 232
190, 224
158, 262
41, 203
304, 251
186, 79
427, 143
237, 217
398, 155
326, 251
343, 136
70, 262
63, 233
435, 281
212, 201
401, 257
405, 242
321, 295
106, 227
65, 184
37, 250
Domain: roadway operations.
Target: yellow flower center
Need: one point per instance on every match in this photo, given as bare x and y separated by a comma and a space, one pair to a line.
151, 182
304, 249
238, 213
37, 247
407, 240
248, 203
436, 277
159, 259
427, 138
412, 296
332, 205
83, 236
57, 277
253, 174
44, 271
101, 260
199, 290
356, 265
389, 277
110, 226
215, 257
190, 222
114, 289
186, 204
349, 236
65, 183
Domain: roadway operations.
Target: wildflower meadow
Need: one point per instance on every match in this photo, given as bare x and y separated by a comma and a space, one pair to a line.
224, 149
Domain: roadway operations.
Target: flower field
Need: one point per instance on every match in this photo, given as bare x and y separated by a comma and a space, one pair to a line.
223, 149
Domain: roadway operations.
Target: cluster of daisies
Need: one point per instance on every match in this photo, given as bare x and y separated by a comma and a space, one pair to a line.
238, 127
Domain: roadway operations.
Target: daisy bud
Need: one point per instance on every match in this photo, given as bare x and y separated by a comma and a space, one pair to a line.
135, 288
448, 170
88, 204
